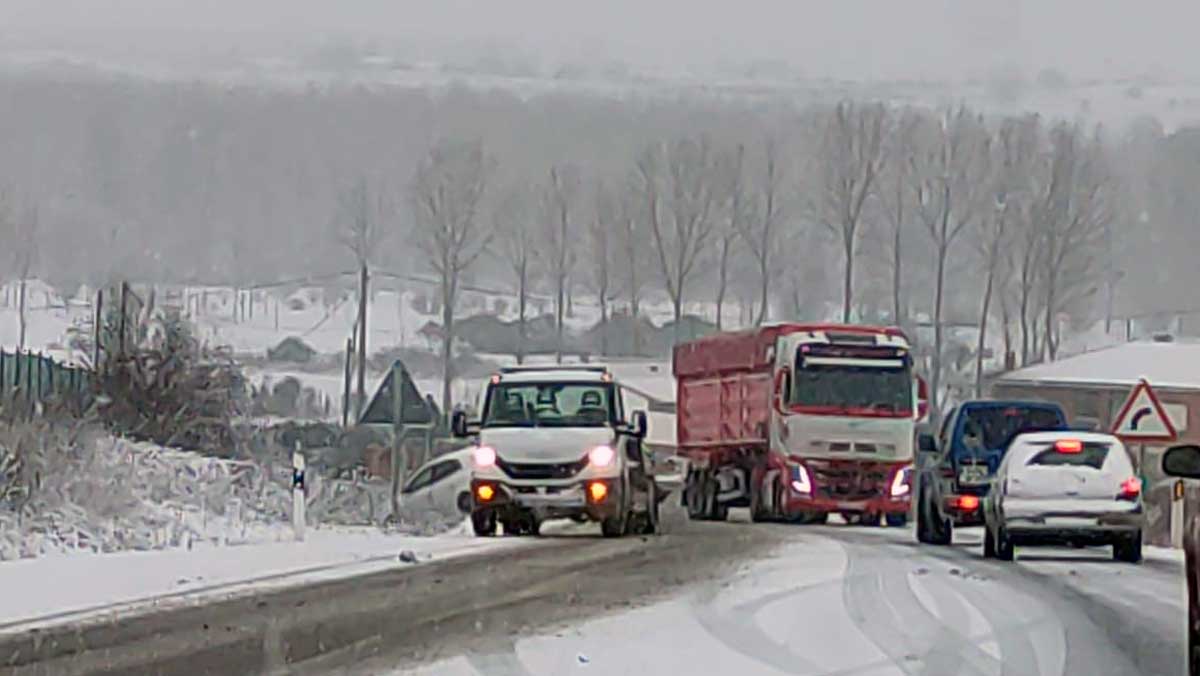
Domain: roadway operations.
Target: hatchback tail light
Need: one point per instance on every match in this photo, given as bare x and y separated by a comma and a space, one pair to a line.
1131, 488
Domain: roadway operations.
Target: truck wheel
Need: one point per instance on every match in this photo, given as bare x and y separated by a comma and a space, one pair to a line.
989, 544
870, 519
618, 525
483, 523
757, 513
716, 510
897, 520
693, 497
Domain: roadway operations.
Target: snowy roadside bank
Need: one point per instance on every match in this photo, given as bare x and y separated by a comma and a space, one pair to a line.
54, 589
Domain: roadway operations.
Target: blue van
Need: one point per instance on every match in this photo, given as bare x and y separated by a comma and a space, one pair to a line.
953, 471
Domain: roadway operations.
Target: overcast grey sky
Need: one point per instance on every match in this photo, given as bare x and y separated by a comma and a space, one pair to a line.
838, 38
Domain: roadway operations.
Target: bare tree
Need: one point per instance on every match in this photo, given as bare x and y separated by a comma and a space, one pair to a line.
1073, 220
895, 201
518, 242
561, 195
600, 231
730, 229
357, 226
631, 237
761, 228
680, 185
1014, 151
20, 233
948, 179
447, 193
850, 159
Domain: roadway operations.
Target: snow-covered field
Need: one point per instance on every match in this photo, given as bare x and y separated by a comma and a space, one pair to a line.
57, 588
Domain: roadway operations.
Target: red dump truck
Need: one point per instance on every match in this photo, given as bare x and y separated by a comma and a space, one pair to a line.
797, 421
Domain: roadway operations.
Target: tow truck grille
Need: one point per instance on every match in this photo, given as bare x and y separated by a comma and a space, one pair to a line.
542, 470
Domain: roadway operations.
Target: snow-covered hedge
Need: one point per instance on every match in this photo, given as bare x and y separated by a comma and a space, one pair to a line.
67, 487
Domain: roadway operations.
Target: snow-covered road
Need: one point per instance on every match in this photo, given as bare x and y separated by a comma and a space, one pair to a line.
839, 600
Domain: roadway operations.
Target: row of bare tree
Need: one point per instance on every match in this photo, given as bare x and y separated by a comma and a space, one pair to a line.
1016, 208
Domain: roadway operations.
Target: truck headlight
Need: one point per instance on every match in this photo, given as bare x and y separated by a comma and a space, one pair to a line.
601, 456
801, 483
485, 456
902, 482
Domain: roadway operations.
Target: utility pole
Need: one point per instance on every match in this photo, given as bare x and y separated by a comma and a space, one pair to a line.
124, 306
346, 378
363, 279
99, 322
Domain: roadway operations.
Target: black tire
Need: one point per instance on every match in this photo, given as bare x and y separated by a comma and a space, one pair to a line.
897, 520
652, 524
757, 513
715, 510
1005, 551
870, 519
1128, 549
693, 497
932, 529
483, 522
1193, 651
619, 524
463, 502
989, 544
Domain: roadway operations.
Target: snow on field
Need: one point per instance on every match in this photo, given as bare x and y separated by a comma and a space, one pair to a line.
57, 588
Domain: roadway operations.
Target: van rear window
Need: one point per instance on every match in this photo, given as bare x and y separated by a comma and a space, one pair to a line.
1092, 455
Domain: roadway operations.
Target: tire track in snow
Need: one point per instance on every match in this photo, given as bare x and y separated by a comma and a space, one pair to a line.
889, 613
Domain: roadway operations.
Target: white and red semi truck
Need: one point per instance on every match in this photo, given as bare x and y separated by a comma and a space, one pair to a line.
798, 421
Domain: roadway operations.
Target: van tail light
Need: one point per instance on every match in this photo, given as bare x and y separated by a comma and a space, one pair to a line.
1131, 488
1069, 446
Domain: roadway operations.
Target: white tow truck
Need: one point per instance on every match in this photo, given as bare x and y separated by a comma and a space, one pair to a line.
556, 442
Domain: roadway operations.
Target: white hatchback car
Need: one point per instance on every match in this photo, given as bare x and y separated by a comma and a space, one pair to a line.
440, 488
1064, 488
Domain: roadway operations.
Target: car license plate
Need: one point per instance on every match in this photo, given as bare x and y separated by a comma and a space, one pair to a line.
973, 474
1071, 522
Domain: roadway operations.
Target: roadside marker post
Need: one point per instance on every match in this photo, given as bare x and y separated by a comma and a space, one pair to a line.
1177, 514
298, 502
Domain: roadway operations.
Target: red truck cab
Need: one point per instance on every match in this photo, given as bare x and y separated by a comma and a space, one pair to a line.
797, 421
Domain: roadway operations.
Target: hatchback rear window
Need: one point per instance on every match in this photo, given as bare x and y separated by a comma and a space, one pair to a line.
1091, 455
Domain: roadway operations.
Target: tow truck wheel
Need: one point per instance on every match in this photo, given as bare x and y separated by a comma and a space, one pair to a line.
618, 524
989, 544
483, 522
651, 518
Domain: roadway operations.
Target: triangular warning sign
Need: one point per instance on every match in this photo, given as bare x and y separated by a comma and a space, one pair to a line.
1142, 417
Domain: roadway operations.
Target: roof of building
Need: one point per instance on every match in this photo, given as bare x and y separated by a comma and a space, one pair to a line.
1173, 365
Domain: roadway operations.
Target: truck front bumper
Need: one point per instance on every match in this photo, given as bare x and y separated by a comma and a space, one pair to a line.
880, 504
550, 502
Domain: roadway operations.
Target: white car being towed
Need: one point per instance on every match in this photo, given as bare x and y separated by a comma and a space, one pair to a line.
553, 442
1064, 488
439, 490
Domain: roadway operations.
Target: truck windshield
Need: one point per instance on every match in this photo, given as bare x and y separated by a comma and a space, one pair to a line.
847, 389
549, 405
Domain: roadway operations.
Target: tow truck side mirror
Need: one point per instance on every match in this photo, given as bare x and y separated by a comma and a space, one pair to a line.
458, 424
638, 425
1182, 461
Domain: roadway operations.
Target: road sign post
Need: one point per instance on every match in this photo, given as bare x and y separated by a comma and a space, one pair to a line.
1177, 514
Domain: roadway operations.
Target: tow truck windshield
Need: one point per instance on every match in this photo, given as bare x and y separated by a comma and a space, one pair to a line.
549, 405
847, 388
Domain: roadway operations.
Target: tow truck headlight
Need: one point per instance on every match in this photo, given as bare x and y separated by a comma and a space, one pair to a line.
601, 456
801, 483
484, 456
902, 482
